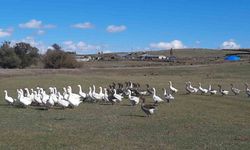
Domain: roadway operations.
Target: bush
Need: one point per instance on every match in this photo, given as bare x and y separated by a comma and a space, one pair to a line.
59, 59
8, 58
28, 54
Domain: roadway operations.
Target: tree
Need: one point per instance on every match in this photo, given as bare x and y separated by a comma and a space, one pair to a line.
27, 54
57, 58
8, 57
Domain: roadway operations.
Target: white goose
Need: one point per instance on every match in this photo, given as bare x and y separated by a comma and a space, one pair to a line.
90, 95
53, 95
247, 90
45, 97
74, 99
106, 96
172, 89
38, 98
188, 89
202, 90
101, 93
235, 90
133, 99
193, 88
117, 96
61, 101
168, 96
65, 93
8, 99
95, 95
25, 101
156, 98
223, 92
81, 93
212, 91
31, 97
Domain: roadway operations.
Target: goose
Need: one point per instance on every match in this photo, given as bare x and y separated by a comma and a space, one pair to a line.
193, 88
172, 89
25, 101
156, 98
28, 94
109, 98
101, 93
235, 90
65, 93
37, 98
81, 93
74, 99
247, 90
212, 91
168, 96
149, 90
117, 96
133, 99
7, 98
202, 90
95, 95
223, 92
188, 89
50, 101
53, 95
90, 95
61, 101
45, 97
32, 96
147, 108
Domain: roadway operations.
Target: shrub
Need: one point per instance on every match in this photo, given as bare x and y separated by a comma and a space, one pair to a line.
8, 57
59, 59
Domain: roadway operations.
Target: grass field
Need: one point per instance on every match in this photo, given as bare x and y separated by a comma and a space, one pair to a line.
190, 122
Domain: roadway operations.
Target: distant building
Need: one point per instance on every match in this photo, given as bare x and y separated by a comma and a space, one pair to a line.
152, 57
83, 58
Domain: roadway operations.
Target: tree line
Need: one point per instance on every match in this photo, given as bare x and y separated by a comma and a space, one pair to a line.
22, 55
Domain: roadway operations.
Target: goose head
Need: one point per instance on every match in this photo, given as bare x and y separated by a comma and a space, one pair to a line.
5, 91
170, 83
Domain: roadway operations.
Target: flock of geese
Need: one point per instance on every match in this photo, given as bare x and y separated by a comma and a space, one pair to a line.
115, 93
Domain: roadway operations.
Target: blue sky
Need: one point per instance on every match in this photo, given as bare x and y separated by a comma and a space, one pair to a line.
87, 26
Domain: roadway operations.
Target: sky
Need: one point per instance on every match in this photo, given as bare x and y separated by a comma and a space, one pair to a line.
88, 26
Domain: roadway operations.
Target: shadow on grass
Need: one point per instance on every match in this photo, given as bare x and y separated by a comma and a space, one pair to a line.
140, 116
127, 105
105, 104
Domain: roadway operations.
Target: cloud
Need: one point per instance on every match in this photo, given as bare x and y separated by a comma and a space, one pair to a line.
31, 40
79, 46
35, 24
85, 25
115, 29
230, 44
5, 33
40, 32
176, 44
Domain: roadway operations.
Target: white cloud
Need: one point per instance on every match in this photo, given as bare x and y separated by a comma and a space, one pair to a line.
176, 44
230, 44
35, 24
85, 25
115, 29
5, 33
38, 44
70, 45
40, 32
